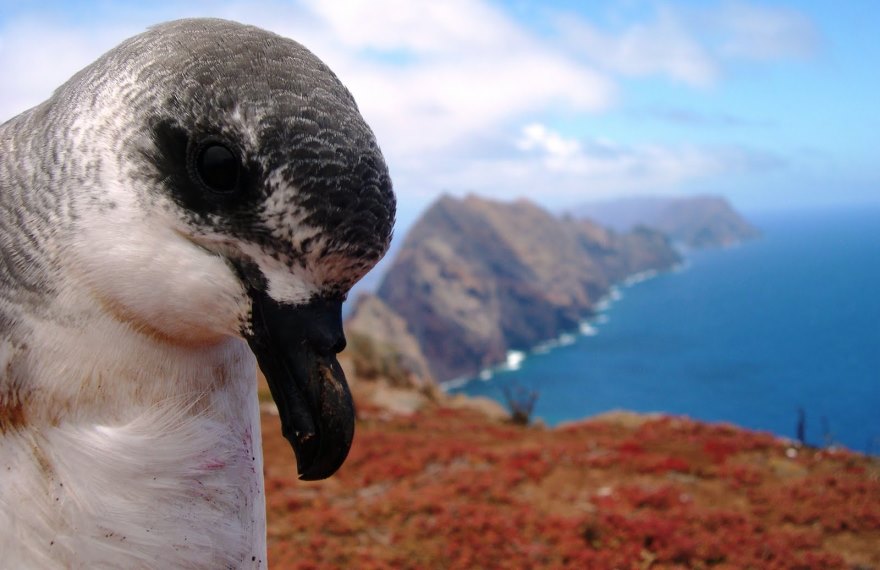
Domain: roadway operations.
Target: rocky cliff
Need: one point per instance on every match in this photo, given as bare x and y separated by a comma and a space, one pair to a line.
477, 278
382, 346
699, 221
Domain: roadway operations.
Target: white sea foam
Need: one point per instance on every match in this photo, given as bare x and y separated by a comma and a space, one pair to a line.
454, 383
485, 374
605, 301
639, 277
588, 330
545, 347
566, 339
514, 360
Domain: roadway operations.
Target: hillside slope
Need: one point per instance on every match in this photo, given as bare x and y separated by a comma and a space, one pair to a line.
450, 489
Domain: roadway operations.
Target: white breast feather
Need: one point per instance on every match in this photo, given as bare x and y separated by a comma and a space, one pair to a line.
132, 479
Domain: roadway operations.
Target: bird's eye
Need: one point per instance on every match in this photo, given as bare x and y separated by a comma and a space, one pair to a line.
218, 168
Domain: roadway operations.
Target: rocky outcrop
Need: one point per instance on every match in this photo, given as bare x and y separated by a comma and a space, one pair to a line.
699, 221
381, 346
477, 278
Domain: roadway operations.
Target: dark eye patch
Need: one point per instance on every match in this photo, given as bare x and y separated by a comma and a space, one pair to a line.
218, 167
205, 172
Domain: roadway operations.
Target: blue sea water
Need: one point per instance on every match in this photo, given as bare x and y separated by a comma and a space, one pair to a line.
746, 335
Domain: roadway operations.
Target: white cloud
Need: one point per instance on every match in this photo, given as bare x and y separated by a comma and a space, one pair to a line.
440, 104
559, 151
429, 28
661, 47
765, 33
558, 170
467, 68
692, 45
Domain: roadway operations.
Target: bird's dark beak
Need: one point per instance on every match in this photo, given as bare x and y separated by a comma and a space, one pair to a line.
296, 349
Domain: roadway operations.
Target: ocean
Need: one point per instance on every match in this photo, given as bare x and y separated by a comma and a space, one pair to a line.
749, 334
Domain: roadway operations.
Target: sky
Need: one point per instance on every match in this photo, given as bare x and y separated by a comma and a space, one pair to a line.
771, 104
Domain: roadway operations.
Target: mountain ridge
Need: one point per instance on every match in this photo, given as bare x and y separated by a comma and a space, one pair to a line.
695, 221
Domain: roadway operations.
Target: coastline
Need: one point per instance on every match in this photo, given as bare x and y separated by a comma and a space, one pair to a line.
587, 327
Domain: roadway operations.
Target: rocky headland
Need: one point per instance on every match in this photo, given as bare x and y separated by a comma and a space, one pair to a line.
696, 222
476, 278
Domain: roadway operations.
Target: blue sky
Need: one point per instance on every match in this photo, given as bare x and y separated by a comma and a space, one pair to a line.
773, 104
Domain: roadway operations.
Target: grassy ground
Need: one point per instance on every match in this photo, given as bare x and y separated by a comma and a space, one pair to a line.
452, 489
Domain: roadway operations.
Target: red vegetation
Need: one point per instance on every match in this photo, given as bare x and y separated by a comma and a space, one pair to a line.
450, 489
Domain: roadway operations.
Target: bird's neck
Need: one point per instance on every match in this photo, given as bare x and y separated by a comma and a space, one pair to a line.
120, 366
126, 451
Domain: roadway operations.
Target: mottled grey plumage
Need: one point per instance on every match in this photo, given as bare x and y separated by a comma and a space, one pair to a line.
129, 284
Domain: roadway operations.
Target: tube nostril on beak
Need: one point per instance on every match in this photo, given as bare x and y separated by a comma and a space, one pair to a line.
324, 329
326, 341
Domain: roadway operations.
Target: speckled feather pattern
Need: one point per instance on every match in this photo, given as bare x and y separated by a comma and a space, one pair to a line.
129, 427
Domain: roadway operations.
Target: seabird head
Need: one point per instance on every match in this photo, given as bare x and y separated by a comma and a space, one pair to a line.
228, 185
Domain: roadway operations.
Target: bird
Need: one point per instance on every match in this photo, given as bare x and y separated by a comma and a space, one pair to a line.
193, 205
